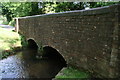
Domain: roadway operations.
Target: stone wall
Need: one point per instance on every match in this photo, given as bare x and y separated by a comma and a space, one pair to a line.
87, 39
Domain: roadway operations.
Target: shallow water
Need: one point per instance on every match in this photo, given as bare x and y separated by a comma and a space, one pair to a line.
25, 65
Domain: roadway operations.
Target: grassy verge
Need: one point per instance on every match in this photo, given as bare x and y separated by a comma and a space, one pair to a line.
9, 40
70, 72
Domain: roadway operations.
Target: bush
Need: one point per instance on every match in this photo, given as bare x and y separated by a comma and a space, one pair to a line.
12, 23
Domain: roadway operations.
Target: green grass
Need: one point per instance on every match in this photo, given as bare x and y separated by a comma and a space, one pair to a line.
8, 40
72, 73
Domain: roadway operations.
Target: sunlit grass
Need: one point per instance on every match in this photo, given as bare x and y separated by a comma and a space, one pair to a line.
8, 39
70, 72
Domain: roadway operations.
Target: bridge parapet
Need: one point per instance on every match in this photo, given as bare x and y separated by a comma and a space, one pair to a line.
87, 39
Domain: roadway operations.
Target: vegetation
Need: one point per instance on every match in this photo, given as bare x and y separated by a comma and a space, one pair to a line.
72, 73
20, 9
24, 43
16, 9
8, 41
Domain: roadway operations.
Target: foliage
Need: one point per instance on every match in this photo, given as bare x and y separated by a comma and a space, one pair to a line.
48, 7
68, 6
12, 22
101, 4
24, 42
7, 13
17, 9
52, 7
20, 9
5, 22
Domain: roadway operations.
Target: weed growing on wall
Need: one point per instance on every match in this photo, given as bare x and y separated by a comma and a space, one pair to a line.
24, 42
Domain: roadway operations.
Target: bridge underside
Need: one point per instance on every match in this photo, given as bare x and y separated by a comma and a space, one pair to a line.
46, 52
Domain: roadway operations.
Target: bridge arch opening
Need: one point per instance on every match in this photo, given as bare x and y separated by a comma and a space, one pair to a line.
32, 44
52, 53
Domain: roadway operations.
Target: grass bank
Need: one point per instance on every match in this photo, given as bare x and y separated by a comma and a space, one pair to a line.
72, 73
9, 40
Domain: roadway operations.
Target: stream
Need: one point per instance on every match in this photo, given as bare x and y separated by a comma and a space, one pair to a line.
25, 65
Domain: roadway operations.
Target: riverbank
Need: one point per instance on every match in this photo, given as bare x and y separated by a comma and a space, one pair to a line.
70, 72
9, 42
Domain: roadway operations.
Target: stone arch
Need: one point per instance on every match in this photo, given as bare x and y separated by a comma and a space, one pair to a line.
52, 53
32, 44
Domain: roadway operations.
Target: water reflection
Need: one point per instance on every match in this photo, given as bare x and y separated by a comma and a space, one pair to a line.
25, 65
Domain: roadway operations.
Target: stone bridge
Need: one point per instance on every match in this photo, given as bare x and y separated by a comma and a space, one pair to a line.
86, 39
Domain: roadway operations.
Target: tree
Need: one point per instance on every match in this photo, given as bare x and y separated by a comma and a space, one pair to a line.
101, 4
68, 6
16, 9
52, 7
